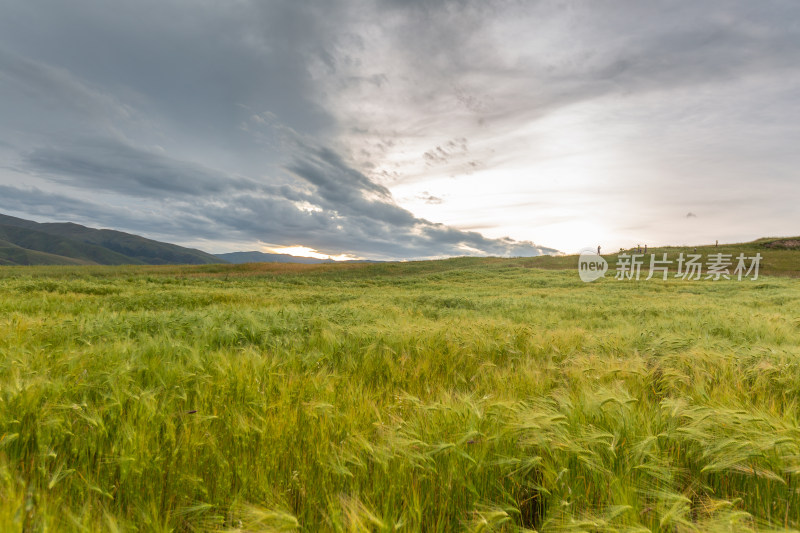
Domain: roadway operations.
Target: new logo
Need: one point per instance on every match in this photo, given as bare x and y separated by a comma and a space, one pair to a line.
591, 265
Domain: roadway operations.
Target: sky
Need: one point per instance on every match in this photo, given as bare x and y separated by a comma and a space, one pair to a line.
389, 129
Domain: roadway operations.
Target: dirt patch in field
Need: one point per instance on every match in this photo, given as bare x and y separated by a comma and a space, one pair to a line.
785, 244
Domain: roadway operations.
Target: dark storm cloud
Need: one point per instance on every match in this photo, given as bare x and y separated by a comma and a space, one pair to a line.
336, 181
332, 208
55, 89
368, 208
195, 72
347, 191
243, 217
115, 166
43, 204
46, 206
235, 121
191, 62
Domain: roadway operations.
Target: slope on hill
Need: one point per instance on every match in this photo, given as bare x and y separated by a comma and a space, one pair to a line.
68, 243
11, 254
779, 255
143, 250
65, 248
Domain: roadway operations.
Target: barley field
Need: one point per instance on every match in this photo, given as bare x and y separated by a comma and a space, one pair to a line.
458, 395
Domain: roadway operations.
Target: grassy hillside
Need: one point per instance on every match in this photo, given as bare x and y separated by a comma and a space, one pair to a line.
11, 254
467, 394
87, 245
61, 250
778, 258
139, 248
776, 261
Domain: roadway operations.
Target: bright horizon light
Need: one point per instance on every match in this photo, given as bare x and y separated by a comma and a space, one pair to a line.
305, 251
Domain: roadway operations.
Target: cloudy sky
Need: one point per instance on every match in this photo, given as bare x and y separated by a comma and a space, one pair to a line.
404, 129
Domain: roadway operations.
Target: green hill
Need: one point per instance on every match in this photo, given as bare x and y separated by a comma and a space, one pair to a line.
11, 254
144, 250
60, 247
780, 255
25, 242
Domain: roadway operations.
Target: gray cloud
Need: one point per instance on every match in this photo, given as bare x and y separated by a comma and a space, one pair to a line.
147, 105
330, 206
149, 218
56, 89
430, 199
247, 217
292, 123
119, 167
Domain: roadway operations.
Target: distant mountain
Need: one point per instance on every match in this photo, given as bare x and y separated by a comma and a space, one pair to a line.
260, 257
25, 242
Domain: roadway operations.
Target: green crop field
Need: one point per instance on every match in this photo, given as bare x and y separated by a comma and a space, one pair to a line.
458, 395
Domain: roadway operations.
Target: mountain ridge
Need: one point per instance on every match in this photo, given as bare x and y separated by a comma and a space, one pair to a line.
26, 242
